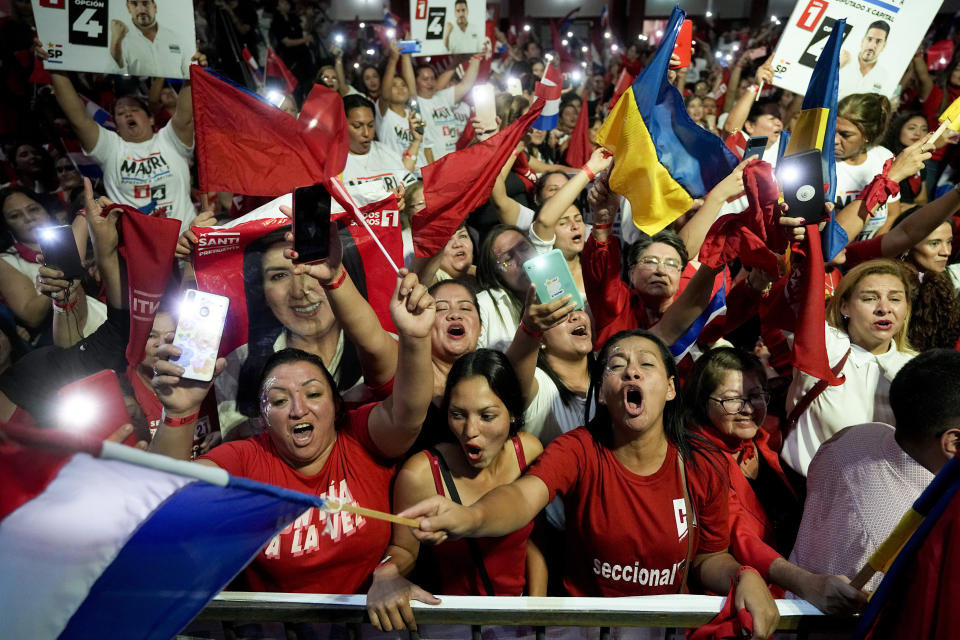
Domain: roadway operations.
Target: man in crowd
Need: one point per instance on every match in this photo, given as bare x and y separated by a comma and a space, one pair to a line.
864, 75
148, 49
457, 37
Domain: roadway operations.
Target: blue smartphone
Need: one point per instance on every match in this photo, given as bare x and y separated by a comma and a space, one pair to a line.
409, 46
551, 276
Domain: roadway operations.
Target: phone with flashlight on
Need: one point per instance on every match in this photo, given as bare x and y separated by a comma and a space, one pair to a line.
93, 406
485, 107
801, 180
59, 251
199, 329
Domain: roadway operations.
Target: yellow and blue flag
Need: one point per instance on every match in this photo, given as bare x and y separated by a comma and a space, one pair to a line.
816, 129
663, 158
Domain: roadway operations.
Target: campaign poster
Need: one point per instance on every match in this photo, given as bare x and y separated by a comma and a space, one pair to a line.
130, 37
448, 26
879, 41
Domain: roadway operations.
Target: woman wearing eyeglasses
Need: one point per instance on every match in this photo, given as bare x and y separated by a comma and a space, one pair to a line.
726, 403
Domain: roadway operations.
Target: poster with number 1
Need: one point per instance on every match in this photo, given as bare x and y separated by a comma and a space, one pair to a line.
878, 43
448, 26
132, 37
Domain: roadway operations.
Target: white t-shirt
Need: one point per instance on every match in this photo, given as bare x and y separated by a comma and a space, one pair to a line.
443, 124
393, 131
168, 55
852, 178
152, 176
852, 81
864, 396
499, 319
464, 41
381, 165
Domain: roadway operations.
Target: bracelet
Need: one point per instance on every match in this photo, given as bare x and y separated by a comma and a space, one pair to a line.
407, 154
336, 283
601, 227
477, 56
179, 422
385, 560
590, 174
516, 153
536, 335
62, 308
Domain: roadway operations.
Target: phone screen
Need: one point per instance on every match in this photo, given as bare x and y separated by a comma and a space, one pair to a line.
199, 328
59, 250
311, 224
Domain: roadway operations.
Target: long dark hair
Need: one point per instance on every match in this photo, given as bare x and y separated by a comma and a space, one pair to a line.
601, 426
567, 397
495, 368
291, 355
892, 138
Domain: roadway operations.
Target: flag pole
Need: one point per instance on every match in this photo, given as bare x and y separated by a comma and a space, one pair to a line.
346, 201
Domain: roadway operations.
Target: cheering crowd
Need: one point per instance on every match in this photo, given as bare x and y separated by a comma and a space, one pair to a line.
621, 439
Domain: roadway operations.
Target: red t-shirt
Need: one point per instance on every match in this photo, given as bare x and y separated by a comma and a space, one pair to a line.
627, 534
319, 552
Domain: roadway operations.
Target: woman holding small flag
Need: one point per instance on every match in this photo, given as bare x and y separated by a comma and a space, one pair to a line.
315, 445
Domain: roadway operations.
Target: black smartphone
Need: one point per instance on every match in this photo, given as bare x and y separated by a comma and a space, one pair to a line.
59, 250
755, 147
311, 224
801, 180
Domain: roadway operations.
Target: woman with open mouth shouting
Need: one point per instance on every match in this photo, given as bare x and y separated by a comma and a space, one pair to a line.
866, 341
647, 508
484, 407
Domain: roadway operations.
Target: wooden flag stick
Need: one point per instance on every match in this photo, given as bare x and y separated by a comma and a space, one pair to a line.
936, 134
334, 506
863, 577
759, 91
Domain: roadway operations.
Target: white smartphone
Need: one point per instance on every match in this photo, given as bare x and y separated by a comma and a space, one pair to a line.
551, 276
202, 316
485, 106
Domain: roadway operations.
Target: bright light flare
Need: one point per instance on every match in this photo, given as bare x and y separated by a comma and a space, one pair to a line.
78, 411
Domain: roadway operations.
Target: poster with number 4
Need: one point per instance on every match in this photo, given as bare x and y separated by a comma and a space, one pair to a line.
132, 37
446, 27
878, 43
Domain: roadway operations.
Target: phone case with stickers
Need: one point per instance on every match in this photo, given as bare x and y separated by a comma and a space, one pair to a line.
199, 329
551, 276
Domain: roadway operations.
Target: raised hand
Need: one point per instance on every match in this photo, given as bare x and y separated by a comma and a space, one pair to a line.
179, 396
910, 160
440, 518
542, 317
117, 30
732, 185
325, 272
101, 219
188, 239
599, 160
51, 283
411, 307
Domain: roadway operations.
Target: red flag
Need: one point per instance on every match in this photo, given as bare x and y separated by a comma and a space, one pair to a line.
246, 145
797, 303
624, 81
274, 68
737, 143
459, 182
730, 623
147, 244
580, 147
558, 45
40, 75
752, 235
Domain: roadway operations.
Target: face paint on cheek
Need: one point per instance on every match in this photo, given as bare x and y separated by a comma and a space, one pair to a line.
264, 396
607, 371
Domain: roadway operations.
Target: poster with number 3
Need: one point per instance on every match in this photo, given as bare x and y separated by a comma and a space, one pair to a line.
878, 43
131, 37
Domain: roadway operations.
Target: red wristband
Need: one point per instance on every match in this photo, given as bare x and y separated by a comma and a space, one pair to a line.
478, 56
536, 335
64, 307
336, 283
179, 422
407, 154
590, 174
601, 227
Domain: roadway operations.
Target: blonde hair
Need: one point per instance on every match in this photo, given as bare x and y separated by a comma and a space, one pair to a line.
849, 282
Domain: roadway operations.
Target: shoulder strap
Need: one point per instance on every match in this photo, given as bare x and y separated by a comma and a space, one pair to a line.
433, 456
471, 542
521, 458
691, 522
813, 394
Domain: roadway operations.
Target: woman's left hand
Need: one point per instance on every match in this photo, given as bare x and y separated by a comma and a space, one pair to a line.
542, 317
411, 307
325, 272
753, 595
51, 283
179, 396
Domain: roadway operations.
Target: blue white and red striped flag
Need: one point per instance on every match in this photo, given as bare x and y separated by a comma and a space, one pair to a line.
100, 115
102, 540
550, 88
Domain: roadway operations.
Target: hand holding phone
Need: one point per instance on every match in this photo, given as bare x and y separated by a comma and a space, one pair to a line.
551, 276
485, 107
409, 46
684, 45
59, 249
199, 328
801, 179
755, 147
311, 224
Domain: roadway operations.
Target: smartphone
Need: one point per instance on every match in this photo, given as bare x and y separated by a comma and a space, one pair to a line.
757, 52
199, 328
514, 87
801, 179
551, 276
59, 250
485, 107
755, 147
409, 46
93, 406
684, 44
311, 224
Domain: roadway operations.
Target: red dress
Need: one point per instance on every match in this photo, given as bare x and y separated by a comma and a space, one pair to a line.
504, 558
319, 552
627, 534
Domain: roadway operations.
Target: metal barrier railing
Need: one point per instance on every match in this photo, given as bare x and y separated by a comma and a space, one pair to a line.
670, 611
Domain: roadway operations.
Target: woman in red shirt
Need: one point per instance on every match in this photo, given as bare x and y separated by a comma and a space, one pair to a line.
629, 480
727, 400
484, 404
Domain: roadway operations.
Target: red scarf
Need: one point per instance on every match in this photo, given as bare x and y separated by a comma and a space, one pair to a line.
26, 252
742, 450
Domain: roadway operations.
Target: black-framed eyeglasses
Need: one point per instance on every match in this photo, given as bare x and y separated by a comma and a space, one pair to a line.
733, 406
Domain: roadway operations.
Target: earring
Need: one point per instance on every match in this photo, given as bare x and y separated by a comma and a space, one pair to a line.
844, 317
